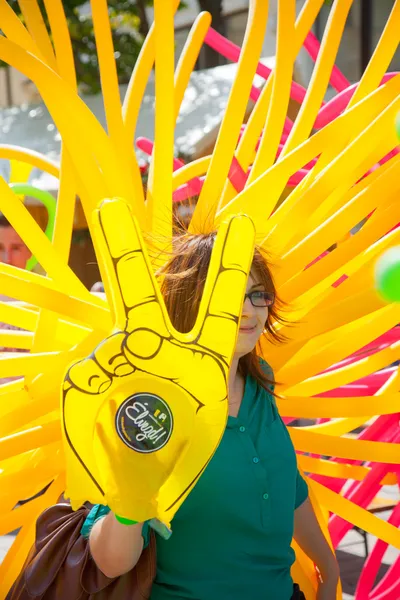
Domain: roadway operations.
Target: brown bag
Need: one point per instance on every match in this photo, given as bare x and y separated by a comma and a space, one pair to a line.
60, 566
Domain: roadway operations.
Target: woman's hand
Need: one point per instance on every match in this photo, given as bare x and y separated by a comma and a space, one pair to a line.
327, 590
309, 536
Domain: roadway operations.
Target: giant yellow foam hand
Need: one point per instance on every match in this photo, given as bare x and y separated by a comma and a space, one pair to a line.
144, 413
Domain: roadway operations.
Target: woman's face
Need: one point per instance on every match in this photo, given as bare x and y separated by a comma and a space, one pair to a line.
253, 318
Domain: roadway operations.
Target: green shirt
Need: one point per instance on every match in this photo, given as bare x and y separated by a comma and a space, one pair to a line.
231, 537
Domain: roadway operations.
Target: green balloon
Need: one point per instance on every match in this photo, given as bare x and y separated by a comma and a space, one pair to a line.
387, 275
48, 201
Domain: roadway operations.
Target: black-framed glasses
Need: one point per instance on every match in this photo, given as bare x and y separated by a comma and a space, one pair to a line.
260, 299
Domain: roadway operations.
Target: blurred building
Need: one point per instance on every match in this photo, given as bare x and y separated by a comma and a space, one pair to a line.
364, 26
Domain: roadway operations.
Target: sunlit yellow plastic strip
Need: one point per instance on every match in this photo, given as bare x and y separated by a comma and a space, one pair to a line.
31, 156
330, 348
360, 270
337, 470
381, 58
311, 322
271, 184
16, 556
339, 144
313, 408
23, 415
41, 162
357, 516
48, 329
247, 144
46, 467
230, 127
61, 40
30, 439
374, 107
159, 190
19, 517
317, 307
25, 490
338, 264
322, 517
192, 169
355, 371
334, 201
391, 385
12, 414
10, 388
66, 68
358, 202
320, 77
33, 17
347, 168
137, 85
45, 419
72, 117
16, 339
14, 29
40, 246
316, 321
140, 75
361, 278
37, 290
36, 27
16, 399
14, 365
112, 105
108, 72
66, 192
64, 113
338, 427
347, 258
17, 463
13, 314
10, 469
69, 334
303, 572
282, 81
189, 56
369, 81
328, 445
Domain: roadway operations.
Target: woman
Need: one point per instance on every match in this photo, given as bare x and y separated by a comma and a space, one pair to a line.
231, 537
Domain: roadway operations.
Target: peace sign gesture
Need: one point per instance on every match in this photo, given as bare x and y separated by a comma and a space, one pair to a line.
144, 413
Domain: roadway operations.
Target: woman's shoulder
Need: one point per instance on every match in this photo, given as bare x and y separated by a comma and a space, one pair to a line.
266, 367
268, 372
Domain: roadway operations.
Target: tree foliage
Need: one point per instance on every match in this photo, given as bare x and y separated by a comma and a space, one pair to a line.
129, 27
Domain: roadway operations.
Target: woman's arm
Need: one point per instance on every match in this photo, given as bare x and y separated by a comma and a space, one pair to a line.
309, 536
115, 548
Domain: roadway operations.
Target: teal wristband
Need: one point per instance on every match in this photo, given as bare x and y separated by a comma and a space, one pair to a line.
124, 521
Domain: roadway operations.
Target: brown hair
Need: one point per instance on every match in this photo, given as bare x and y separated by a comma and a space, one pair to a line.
183, 279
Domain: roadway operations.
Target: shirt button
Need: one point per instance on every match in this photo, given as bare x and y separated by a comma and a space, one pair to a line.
242, 429
265, 496
256, 460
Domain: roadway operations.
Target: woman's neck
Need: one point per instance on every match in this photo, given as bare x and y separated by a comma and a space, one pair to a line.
233, 373
235, 388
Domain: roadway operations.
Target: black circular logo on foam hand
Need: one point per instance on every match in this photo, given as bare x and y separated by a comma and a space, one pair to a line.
144, 422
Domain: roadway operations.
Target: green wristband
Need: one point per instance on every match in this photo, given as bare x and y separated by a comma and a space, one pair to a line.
124, 521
